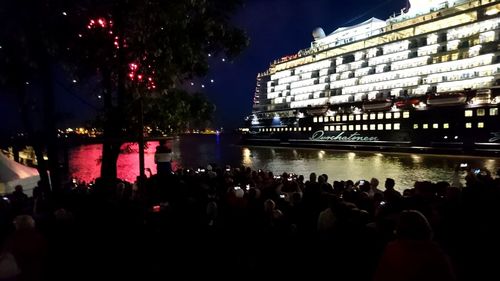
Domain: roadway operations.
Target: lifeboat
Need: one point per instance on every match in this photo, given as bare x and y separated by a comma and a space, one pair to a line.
481, 97
445, 99
406, 103
374, 105
317, 110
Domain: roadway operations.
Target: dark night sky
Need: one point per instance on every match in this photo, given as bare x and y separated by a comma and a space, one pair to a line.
275, 27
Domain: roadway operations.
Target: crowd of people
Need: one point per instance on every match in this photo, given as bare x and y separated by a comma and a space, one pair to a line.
234, 222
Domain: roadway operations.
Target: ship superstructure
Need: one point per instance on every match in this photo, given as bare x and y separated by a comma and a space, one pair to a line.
428, 77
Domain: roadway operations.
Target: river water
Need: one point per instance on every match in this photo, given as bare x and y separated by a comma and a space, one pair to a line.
199, 150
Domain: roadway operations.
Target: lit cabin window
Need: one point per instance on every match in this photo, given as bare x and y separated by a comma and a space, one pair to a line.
468, 125
380, 127
326, 128
338, 128
337, 118
397, 115
351, 127
351, 117
388, 126
468, 113
397, 126
365, 127
493, 111
320, 119
358, 117
372, 127
344, 117
295, 129
481, 112
406, 114
315, 119
310, 129
380, 115
332, 128
300, 129
415, 126
480, 125
365, 116
425, 126
332, 119
358, 127
304, 129
344, 127
446, 126
435, 126
372, 116
388, 115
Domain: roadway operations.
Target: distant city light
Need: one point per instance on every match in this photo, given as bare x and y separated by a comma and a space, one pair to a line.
223, 59
27, 83
209, 55
80, 35
99, 96
74, 81
203, 86
192, 84
0, 47
211, 80
64, 13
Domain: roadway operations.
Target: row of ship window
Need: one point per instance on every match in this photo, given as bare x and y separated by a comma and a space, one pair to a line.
481, 112
364, 127
358, 117
294, 129
468, 125
370, 127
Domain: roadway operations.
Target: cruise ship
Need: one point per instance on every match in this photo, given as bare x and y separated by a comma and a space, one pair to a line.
427, 79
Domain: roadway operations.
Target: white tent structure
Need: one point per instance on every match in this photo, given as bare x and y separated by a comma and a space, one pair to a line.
13, 173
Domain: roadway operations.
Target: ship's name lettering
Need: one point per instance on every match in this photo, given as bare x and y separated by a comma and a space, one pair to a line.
320, 135
495, 137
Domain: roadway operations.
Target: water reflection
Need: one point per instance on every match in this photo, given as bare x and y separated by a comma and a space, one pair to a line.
195, 151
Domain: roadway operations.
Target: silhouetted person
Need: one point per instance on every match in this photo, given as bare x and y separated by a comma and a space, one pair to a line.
413, 255
390, 194
163, 158
19, 200
29, 248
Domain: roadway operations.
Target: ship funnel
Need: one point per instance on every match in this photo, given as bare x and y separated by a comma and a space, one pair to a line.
318, 33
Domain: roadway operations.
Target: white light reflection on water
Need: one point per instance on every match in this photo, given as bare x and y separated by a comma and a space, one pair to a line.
195, 151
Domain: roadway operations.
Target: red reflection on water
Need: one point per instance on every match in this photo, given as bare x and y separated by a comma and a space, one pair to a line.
85, 161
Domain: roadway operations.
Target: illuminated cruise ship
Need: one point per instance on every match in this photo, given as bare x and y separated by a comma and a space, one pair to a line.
425, 79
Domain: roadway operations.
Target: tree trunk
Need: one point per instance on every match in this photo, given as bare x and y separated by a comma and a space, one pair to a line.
110, 153
35, 141
111, 145
50, 128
